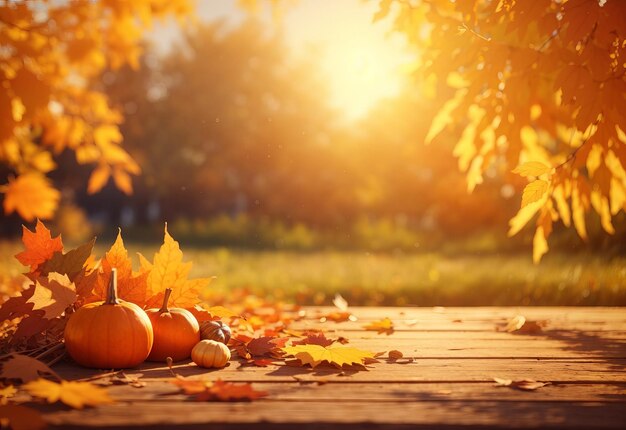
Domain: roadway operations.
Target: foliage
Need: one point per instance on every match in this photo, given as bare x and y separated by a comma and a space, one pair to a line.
61, 282
338, 356
539, 89
51, 52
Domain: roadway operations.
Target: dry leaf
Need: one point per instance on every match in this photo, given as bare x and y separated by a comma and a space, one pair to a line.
121, 378
395, 354
337, 356
24, 368
381, 326
32, 196
53, 294
338, 317
522, 384
39, 246
169, 271
70, 263
21, 417
340, 303
314, 339
218, 391
520, 324
72, 393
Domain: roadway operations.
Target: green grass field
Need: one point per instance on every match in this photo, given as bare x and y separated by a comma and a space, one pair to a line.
397, 279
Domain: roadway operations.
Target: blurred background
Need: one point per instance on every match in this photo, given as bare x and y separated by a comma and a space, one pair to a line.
286, 154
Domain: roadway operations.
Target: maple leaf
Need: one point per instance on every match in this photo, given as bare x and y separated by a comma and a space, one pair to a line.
119, 378
381, 326
32, 196
338, 317
39, 246
53, 294
520, 324
337, 356
314, 339
218, 391
169, 271
132, 287
22, 418
24, 368
265, 346
74, 394
70, 263
522, 384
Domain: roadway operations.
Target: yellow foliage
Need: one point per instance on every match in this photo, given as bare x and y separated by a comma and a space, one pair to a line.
52, 49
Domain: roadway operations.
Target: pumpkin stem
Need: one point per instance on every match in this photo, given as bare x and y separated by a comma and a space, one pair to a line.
166, 298
112, 290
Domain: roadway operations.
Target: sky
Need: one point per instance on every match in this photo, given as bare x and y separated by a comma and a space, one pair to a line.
362, 61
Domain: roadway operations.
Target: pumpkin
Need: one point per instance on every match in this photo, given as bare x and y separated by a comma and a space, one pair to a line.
176, 331
215, 330
109, 335
209, 353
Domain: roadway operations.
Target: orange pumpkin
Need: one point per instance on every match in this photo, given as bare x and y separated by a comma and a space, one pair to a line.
209, 353
215, 330
109, 335
176, 331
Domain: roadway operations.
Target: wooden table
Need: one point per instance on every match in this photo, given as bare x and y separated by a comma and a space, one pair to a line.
457, 352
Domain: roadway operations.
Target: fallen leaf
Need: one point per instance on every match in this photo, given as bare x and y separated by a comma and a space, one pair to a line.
522, 384
121, 378
395, 354
340, 303
381, 326
338, 317
7, 392
520, 324
337, 356
39, 246
72, 393
265, 346
218, 391
314, 339
70, 263
24, 368
169, 271
21, 417
53, 294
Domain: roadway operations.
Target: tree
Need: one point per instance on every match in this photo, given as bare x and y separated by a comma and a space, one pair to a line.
50, 52
538, 87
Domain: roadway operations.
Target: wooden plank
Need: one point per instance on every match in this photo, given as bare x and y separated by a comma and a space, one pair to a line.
420, 370
269, 414
316, 389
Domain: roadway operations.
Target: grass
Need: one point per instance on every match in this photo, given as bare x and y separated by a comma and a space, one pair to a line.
424, 279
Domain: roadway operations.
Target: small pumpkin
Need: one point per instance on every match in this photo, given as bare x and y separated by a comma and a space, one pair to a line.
215, 330
176, 331
209, 353
112, 334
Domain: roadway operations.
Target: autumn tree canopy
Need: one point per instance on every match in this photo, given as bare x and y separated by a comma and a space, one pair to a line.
537, 86
50, 50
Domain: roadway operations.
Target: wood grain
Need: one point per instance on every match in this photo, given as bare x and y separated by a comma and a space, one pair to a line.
455, 354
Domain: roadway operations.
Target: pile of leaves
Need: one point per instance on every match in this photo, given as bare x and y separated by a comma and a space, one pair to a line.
59, 282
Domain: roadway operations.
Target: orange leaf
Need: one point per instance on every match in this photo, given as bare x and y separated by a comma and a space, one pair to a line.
24, 368
32, 196
337, 356
53, 294
39, 246
218, 391
381, 326
169, 271
73, 393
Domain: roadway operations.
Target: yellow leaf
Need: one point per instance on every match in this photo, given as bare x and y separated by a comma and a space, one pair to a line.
540, 245
338, 356
72, 393
32, 196
123, 181
444, 116
532, 168
98, 178
381, 326
53, 295
169, 271
523, 216
534, 191
561, 204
